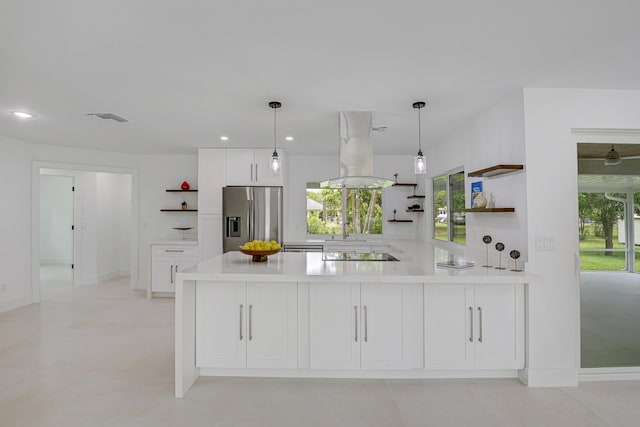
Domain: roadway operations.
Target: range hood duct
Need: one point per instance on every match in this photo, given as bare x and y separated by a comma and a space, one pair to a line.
356, 153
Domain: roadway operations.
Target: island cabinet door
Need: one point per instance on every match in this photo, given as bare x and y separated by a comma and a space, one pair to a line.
272, 325
499, 337
221, 318
334, 325
448, 322
162, 273
391, 325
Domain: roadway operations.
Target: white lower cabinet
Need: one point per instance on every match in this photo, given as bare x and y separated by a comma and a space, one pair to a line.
365, 326
474, 326
166, 261
246, 325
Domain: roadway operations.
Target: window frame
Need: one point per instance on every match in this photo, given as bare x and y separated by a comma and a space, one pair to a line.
449, 203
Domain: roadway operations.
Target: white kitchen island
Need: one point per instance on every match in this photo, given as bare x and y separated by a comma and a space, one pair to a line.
299, 316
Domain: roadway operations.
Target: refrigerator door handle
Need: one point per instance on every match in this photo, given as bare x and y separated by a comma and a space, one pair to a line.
250, 219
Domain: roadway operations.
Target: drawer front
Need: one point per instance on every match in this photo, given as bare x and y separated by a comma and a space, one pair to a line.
175, 250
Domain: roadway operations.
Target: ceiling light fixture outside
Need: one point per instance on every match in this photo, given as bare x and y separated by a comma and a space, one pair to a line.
420, 163
224, 138
613, 158
22, 114
289, 138
275, 166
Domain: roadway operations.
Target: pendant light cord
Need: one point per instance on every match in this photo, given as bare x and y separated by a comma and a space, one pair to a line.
419, 131
275, 149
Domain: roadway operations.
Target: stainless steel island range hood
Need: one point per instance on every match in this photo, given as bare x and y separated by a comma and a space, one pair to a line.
356, 154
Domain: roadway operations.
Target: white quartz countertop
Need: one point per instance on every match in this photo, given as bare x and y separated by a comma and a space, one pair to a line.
417, 263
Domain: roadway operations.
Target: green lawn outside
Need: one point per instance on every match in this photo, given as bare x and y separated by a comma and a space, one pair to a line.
597, 260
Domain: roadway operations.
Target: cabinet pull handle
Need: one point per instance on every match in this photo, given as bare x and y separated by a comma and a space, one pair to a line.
174, 250
355, 312
251, 169
366, 329
241, 307
256, 172
480, 316
176, 268
171, 273
471, 317
250, 322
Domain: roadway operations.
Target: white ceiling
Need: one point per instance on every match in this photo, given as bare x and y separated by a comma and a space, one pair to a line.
186, 72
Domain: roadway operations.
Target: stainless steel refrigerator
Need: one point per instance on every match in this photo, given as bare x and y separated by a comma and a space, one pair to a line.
250, 213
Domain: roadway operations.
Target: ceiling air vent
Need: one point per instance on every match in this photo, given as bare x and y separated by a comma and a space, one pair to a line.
109, 116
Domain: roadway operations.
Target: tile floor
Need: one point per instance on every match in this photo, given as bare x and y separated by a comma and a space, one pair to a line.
610, 319
103, 356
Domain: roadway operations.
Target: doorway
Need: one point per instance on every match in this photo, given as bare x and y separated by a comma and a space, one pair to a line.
104, 227
609, 233
56, 232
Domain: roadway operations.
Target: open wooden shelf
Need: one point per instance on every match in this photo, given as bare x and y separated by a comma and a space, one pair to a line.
489, 210
415, 197
496, 170
181, 191
178, 210
404, 184
399, 220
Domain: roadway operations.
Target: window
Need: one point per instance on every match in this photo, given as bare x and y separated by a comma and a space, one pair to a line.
325, 213
448, 208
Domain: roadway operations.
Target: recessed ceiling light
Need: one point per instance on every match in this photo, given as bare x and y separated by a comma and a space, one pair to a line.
22, 114
289, 138
224, 138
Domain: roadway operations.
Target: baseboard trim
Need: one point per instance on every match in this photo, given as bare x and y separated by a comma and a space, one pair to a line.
549, 377
627, 373
13, 303
416, 374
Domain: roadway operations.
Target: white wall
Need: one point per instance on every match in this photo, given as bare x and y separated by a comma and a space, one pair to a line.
15, 224
158, 173
111, 221
56, 219
554, 302
316, 168
494, 137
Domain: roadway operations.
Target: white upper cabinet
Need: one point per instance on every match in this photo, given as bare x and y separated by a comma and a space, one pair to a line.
211, 179
248, 166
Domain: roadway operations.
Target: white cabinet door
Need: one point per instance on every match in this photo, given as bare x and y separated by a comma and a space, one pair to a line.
209, 236
240, 167
334, 326
221, 317
272, 325
211, 179
499, 311
162, 273
448, 318
262, 161
391, 325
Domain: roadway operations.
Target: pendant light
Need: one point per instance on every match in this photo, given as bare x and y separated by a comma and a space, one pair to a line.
420, 163
275, 166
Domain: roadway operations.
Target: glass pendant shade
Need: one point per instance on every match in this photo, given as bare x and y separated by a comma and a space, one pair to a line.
420, 164
275, 166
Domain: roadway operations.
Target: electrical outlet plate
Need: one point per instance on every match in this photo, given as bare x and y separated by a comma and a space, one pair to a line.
545, 243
